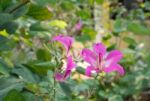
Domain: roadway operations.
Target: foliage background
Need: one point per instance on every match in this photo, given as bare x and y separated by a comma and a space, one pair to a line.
28, 59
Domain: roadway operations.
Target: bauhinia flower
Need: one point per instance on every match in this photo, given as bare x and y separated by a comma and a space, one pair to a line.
69, 67
65, 40
78, 26
100, 61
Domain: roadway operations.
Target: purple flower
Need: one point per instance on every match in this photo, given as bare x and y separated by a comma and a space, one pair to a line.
100, 61
65, 40
70, 65
78, 26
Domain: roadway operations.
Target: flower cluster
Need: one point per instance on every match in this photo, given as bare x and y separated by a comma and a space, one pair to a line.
99, 59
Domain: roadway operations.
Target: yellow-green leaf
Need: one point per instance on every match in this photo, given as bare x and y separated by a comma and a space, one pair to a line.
58, 23
4, 33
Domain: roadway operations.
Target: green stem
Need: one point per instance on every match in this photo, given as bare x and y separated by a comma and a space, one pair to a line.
54, 87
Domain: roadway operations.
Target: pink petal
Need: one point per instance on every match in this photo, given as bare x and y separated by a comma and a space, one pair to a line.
67, 74
88, 71
114, 56
99, 48
70, 63
65, 40
78, 26
59, 77
115, 67
89, 56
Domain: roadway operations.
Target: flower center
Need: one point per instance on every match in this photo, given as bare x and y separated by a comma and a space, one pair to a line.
100, 62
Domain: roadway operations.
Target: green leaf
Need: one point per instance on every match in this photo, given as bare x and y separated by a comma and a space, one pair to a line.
32, 87
20, 11
81, 87
115, 98
88, 34
5, 3
10, 27
67, 5
129, 40
38, 27
5, 17
40, 67
139, 29
80, 70
24, 73
58, 23
43, 54
14, 95
84, 14
66, 89
39, 13
119, 25
44, 2
9, 83
30, 96
147, 5
6, 44
99, 1
3, 70
4, 33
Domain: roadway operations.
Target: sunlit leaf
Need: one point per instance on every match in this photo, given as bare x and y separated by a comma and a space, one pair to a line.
4, 33
58, 23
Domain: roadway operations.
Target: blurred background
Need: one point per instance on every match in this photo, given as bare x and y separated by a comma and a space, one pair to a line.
28, 57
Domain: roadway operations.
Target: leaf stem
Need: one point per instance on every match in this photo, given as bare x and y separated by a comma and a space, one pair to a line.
54, 89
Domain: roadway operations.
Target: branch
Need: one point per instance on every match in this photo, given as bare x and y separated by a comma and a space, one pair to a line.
19, 6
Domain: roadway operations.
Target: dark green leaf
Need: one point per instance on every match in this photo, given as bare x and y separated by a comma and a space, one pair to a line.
80, 70
6, 44
39, 67
4, 18
20, 12
24, 73
38, 27
10, 27
14, 95
66, 89
3, 70
9, 83
5, 3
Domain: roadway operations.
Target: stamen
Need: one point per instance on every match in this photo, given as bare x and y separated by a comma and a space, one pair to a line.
99, 62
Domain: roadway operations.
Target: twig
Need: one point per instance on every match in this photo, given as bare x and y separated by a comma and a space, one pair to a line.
19, 6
